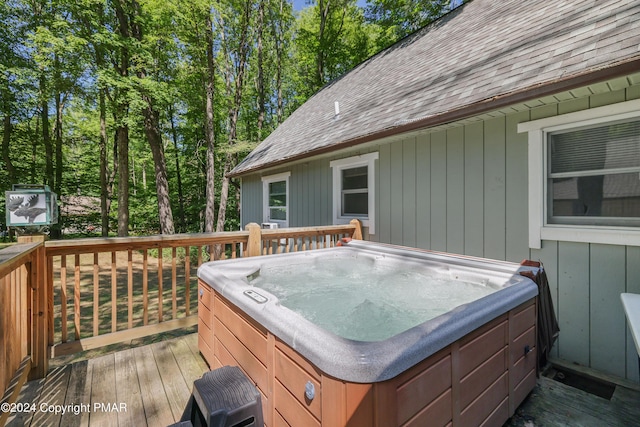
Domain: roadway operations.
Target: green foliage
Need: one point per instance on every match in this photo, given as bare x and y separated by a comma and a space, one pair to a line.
331, 38
399, 18
72, 53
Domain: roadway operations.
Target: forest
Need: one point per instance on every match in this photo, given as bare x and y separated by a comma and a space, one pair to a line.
133, 111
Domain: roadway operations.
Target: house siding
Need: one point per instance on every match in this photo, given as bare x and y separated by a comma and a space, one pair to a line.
464, 190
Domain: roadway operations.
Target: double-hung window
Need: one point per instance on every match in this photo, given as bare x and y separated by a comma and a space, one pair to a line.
584, 176
275, 196
354, 190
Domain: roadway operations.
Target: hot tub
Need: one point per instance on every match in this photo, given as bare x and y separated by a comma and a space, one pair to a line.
370, 334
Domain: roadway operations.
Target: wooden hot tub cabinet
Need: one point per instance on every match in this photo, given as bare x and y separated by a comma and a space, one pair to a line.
478, 380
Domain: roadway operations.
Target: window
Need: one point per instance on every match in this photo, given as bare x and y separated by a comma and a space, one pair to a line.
275, 195
584, 176
354, 190
593, 175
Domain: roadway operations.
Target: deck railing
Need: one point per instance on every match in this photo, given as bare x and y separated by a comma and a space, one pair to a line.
23, 305
111, 290
61, 297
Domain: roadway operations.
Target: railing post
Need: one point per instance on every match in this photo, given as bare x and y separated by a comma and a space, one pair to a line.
357, 232
254, 244
40, 315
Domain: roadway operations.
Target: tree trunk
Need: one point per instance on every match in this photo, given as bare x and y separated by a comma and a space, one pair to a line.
6, 153
56, 230
261, 95
122, 133
209, 214
154, 137
152, 131
181, 218
224, 194
46, 137
105, 193
324, 9
122, 130
57, 184
242, 54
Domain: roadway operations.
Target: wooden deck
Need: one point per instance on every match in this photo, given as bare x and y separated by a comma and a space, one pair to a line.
154, 382
143, 386
552, 403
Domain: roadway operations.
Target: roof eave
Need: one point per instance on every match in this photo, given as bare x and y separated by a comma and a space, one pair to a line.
618, 69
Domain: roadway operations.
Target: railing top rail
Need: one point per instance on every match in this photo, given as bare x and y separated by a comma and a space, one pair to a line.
306, 231
106, 244
14, 256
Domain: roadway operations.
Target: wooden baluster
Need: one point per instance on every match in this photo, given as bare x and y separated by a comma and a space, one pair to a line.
130, 288
63, 297
96, 295
145, 287
49, 302
174, 280
114, 293
187, 281
76, 297
160, 285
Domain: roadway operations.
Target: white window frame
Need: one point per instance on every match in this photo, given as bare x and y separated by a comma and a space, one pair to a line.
266, 180
539, 228
338, 166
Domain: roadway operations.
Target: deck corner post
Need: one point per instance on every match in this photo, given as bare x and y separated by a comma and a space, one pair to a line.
40, 315
357, 232
255, 239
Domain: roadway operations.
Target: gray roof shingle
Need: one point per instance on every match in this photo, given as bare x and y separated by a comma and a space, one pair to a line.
480, 53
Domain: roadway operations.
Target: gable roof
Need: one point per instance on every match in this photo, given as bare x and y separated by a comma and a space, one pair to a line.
484, 55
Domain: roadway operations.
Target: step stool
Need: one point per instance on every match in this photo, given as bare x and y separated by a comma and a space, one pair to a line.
224, 397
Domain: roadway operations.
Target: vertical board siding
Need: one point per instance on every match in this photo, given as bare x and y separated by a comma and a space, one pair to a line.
251, 200
409, 231
396, 194
573, 301
516, 204
439, 191
494, 188
383, 199
423, 191
474, 189
455, 190
464, 190
607, 277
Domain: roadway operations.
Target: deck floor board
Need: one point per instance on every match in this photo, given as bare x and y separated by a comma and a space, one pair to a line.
174, 384
128, 390
552, 403
156, 402
79, 391
155, 382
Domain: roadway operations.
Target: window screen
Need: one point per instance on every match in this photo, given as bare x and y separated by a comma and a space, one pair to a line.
278, 200
355, 192
594, 175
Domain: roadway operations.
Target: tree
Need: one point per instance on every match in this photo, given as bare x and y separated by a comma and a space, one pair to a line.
399, 18
281, 19
332, 37
151, 91
92, 92
235, 28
